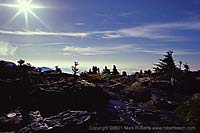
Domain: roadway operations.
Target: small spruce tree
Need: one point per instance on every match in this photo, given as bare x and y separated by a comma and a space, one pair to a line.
186, 67
74, 68
21, 62
115, 71
166, 65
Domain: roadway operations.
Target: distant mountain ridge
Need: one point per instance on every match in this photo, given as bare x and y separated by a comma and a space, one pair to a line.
8, 63
44, 69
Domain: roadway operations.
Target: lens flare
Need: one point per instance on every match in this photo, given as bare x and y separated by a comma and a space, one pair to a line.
26, 7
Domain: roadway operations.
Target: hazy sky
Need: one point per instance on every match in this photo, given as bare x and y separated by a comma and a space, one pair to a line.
133, 34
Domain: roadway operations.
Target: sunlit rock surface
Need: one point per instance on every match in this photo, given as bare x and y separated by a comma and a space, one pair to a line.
66, 119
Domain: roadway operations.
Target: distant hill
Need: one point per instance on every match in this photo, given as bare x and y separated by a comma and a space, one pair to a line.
44, 69
8, 63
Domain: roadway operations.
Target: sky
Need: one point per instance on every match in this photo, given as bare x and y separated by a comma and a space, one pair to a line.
132, 34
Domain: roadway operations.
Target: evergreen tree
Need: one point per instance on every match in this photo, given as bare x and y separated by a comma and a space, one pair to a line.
21, 62
141, 73
57, 69
115, 71
147, 72
106, 70
74, 68
94, 69
186, 67
180, 64
166, 65
124, 73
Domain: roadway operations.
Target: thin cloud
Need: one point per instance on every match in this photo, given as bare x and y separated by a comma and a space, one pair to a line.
7, 49
126, 14
26, 45
162, 32
42, 33
52, 44
154, 31
42, 44
111, 35
80, 24
68, 50
123, 48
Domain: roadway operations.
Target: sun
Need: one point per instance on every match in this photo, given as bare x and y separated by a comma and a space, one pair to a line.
25, 7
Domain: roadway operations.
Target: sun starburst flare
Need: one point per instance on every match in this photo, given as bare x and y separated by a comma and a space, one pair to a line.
25, 7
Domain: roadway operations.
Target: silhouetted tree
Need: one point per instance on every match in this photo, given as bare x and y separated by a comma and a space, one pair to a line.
124, 73
94, 69
141, 73
28, 67
166, 65
147, 72
84, 74
186, 67
58, 70
180, 64
98, 70
28, 64
21, 62
74, 68
115, 71
106, 70
90, 71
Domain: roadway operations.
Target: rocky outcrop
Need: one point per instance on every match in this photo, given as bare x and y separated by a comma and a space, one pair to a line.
76, 95
40, 100
140, 83
67, 120
63, 121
